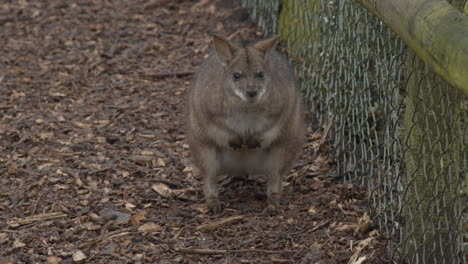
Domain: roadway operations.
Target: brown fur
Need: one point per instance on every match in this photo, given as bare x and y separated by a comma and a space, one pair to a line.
231, 131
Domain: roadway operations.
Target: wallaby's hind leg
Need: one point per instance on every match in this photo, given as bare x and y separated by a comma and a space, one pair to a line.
210, 171
274, 190
211, 192
279, 161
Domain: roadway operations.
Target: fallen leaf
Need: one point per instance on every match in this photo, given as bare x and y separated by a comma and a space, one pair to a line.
54, 260
80, 124
46, 135
129, 205
12, 169
79, 257
360, 260
374, 233
149, 227
364, 223
93, 227
18, 244
161, 162
138, 217
357, 251
147, 153
57, 94
202, 208
312, 210
163, 190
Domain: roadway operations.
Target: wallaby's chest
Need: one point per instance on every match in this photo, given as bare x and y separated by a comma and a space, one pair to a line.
247, 123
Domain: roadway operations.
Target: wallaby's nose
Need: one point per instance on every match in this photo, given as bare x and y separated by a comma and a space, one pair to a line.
251, 93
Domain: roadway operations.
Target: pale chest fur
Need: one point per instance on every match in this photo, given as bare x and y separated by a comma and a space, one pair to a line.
245, 124
248, 124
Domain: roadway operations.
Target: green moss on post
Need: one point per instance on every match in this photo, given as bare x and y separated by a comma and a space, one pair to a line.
434, 30
434, 124
458, 4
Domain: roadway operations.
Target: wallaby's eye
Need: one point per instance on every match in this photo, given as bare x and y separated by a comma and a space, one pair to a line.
236, 76
260, 75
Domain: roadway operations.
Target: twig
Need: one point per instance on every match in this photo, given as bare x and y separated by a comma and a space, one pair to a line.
178, 233
320, 225
278, 260
230, 37
116, 233
219, 223
35, 204
355, 259
14, 223
207, 251
5, 106
169, 74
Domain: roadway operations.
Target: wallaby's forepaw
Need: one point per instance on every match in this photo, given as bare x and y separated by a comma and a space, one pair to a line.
252, 142
235, 143
214, 205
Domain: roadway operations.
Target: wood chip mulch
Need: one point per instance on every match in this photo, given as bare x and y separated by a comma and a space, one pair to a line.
94, 166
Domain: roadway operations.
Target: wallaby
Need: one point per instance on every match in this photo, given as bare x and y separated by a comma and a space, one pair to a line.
245, 117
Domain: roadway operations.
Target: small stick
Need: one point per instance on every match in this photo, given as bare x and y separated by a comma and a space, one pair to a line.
230, 37
207, 251
169, 74
116, 233
14, 223
219, 223
35, 204
5, 106
320, 225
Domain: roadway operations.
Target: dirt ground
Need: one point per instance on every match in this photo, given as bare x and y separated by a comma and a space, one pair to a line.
94, 167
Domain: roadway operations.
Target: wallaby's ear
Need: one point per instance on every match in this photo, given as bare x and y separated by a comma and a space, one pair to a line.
267, 45
224, 48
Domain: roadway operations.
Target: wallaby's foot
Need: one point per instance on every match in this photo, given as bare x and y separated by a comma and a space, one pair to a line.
235, 143
252, 142
214, 205
273, 205
274, 190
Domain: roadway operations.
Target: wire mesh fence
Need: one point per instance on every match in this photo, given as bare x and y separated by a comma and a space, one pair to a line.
397, 127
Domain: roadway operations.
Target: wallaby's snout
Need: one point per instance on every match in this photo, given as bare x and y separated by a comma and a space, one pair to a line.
251, 93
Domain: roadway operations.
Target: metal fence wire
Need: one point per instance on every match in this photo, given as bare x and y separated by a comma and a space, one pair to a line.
398, 128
